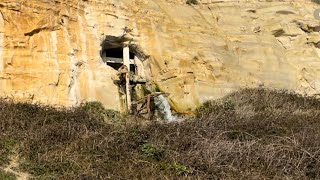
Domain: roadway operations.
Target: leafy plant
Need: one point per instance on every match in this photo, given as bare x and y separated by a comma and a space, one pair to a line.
157, 88
113, 115
181, 169
7, 176
152, 151
6, 148
97, 110
93, 106
228, 104
176, 168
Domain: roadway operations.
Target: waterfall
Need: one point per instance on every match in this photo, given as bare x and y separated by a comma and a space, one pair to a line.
164, 108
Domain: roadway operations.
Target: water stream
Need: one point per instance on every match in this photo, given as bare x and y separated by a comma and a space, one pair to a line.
164, 108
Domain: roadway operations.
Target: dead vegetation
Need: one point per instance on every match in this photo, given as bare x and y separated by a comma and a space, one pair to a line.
251, 134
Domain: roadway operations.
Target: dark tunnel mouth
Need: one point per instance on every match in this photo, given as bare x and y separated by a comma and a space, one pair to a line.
113, 57
114, 43
115, 66
112, 52
116, 53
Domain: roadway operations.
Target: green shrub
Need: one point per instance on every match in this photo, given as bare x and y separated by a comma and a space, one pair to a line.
152, 151
7, 176
181, 169
228, 104
157, 88
176, 168
96, 110
7, 146
137, 136
114, 116
225, 105
93, 106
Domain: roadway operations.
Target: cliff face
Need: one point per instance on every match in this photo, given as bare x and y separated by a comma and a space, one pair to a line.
50, 49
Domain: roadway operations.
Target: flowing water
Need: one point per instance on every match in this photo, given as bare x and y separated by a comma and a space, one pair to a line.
164, 108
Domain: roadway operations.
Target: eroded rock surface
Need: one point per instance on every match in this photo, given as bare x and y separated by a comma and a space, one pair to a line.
50, 49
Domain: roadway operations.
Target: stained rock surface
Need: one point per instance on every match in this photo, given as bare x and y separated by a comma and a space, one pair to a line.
50, 49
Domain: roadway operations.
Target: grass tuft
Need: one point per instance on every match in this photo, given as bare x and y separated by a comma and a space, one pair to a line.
7, 176
152, 151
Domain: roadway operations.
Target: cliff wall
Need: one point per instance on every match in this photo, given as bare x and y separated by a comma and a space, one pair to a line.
50, 49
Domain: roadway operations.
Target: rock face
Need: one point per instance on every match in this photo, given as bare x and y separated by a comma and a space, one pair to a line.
50, 49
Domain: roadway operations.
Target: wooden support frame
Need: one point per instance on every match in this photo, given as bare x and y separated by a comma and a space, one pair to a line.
146, 100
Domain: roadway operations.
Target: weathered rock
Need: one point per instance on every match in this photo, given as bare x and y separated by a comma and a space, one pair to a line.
50, 49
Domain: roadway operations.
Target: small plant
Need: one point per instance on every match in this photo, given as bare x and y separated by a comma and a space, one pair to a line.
93, 106
7, 146
181, 169
137, 136
96, 109
192, 2
157, 88
228, 105
177, 168
152, 151
205, 108
7, 176
113, 115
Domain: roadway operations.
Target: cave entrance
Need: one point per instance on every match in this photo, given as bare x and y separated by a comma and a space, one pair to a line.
127, 59
113, 57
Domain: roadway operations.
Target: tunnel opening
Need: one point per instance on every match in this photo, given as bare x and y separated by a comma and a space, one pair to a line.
113, 57
135, 93
127, 58
117, 53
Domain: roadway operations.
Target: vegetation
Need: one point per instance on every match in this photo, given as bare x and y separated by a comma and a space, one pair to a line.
156, 88
152, 151
251, 134
7, 176
97, 111
7, 146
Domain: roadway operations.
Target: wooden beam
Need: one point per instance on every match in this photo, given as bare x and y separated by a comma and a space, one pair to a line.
126, 61
148, 106
151, 96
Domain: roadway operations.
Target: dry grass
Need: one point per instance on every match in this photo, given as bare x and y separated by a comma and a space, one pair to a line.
251, 134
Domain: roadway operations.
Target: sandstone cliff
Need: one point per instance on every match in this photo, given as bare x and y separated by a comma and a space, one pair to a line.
50, 49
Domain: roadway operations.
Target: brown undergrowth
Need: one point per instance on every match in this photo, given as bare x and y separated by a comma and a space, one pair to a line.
250, 134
